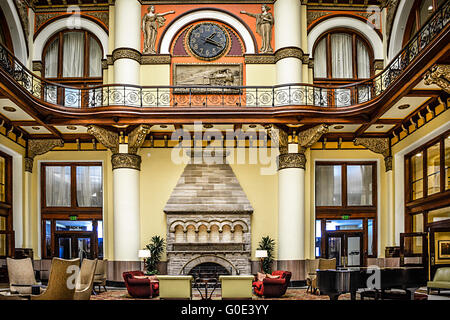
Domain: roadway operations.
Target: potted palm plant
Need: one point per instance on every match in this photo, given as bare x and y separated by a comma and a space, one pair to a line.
267, 244
156, 248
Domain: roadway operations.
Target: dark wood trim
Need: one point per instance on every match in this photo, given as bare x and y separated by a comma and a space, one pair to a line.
6, 209
6, 32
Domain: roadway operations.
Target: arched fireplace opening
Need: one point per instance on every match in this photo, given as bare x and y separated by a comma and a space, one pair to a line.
209, 270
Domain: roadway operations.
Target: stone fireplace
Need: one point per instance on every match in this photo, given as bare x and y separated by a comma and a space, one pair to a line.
208, 221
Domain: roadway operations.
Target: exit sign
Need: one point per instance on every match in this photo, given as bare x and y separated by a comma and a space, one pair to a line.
73, 218
345, 217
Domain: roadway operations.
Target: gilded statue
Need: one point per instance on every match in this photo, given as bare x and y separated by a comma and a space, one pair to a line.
264, 24
150, 24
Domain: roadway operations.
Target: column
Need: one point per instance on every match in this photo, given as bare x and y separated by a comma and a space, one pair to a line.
291, 197
382, 146
35, 147
127, 42
126, 165
288, 41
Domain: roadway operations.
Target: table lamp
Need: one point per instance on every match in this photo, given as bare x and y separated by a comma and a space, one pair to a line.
261, 254
144, 254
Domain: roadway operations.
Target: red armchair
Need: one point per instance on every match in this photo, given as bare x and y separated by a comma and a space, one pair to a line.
140, 287
273, 288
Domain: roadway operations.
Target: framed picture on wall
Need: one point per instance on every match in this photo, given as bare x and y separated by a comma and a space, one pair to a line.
444, 249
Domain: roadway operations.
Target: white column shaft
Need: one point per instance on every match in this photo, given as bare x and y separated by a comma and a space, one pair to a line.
390, 208
27, 237
126, 214
291, 214
289, 70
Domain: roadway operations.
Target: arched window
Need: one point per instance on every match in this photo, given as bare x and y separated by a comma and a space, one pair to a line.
73, 57
342, 56
420, 12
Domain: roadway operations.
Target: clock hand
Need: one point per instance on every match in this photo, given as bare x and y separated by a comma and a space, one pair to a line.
212, 35
213, 42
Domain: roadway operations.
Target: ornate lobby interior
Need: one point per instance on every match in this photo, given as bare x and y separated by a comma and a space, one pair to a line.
203, 149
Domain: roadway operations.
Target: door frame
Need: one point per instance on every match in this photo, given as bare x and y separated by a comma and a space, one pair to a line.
344, 235
75, 235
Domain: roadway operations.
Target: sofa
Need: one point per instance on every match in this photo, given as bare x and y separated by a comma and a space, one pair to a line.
271, 287
441, 280
139, 285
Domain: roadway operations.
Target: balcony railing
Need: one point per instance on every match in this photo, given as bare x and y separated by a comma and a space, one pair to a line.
226, 96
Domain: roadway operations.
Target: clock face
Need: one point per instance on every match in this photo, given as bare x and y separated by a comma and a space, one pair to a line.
208, 41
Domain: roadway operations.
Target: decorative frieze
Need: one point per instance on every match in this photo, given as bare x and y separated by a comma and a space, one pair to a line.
291, 160
439, 75
155, 59
288, 52
126, 160
259, 59
145, 59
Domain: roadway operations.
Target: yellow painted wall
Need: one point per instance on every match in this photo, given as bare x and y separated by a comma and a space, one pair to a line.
159, 176
260, 74
148, 73
439, 236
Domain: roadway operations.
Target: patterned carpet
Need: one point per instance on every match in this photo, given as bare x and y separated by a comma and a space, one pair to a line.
291, 294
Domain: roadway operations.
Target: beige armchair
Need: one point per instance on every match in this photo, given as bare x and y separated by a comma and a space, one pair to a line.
312, 266
21, 275
60, 284
101, 273
86, 280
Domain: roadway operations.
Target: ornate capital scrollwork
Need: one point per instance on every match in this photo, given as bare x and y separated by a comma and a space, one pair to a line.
291, 160
440, 75
126, 160
137, 137
106, 137
288, 52
279, 138
37, 147
310, 136
377, 145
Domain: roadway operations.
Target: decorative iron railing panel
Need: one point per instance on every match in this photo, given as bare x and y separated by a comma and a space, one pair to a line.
226, 96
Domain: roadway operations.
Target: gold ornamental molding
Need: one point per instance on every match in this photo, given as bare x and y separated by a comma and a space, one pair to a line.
126, 160
311, 63
106, 137
137, 137
259, 59
155, 59
279, 137
379, 65
289, 52
36, 147
377, 145
291, 160
439, 75
126, 53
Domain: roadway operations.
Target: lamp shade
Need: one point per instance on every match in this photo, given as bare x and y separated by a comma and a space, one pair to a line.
261, 253
144, 254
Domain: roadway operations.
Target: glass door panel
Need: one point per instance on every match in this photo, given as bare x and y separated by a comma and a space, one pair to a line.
65, 248
335, 249
354, 253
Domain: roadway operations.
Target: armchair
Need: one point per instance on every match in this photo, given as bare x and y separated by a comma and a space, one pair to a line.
101, 273
271, 287
441, 280
21, 275
86, 280
140, 286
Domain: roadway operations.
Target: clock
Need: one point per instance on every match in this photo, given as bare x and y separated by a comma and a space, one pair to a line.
208, 41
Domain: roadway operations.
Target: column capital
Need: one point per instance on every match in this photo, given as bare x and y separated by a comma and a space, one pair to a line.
279, 138
289, 52
291, 160
439, 74
377, 145
137, 137
126, 160
106, 137
36, 147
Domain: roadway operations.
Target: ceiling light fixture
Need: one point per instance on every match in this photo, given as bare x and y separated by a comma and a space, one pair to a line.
338, 127
404, 106
9, 109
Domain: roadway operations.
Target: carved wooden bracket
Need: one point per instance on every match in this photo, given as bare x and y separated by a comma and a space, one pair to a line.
377, 145
439, 74
310, 136
36, 147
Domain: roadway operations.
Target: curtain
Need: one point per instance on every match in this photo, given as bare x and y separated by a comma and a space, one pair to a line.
341, 55
89, 186
95, 58
328, 186
57, 186
73, 55
51, 60
362, 56
359, 185
320, 59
